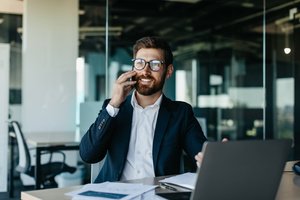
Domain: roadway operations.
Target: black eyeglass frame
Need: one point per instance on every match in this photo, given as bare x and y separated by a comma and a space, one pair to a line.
149, 62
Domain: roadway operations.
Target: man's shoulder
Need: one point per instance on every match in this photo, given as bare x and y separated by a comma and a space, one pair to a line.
173, 104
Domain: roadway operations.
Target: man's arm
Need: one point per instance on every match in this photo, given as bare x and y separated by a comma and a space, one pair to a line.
93, 145
193, 134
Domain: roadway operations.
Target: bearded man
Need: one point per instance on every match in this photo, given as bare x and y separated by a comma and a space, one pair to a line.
139, 131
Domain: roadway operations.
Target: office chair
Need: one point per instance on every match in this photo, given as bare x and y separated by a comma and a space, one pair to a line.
48, 170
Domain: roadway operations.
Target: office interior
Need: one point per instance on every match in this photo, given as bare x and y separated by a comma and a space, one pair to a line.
236, 62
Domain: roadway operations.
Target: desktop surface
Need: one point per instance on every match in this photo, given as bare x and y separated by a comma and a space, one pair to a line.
289, 189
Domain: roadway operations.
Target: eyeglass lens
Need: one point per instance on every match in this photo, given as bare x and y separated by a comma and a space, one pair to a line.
140, 64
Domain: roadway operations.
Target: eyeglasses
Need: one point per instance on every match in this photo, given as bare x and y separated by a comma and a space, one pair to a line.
140, 64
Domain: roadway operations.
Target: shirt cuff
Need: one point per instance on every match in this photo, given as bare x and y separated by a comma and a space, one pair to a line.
112, 111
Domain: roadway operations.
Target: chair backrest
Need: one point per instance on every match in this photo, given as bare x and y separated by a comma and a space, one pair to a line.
95, 169
24, 155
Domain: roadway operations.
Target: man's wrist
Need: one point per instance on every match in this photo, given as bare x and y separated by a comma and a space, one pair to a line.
112, 111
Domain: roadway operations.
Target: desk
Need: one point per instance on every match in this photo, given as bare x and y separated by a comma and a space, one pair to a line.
289, 189
49, 141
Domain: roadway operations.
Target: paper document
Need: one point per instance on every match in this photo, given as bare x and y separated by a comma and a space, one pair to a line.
186, 180
110, 190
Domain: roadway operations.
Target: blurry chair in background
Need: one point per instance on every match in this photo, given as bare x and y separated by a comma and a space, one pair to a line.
95, 169
48, 170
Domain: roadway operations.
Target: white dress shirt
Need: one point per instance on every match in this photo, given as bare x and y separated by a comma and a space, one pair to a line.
139, 162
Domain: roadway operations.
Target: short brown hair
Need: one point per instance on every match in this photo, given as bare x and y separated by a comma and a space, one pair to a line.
156, 43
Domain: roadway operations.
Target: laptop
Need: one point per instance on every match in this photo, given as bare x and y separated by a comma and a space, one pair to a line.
236, 170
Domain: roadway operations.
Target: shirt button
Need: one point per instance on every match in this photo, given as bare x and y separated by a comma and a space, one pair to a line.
138, 171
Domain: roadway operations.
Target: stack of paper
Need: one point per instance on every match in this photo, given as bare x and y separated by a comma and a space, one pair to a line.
110, 190
186, 180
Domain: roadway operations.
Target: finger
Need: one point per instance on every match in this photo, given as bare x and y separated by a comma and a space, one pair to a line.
126, 76
199, 156
129, 85
224, 140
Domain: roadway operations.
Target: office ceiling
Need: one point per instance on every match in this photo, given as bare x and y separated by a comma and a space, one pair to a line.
183, 22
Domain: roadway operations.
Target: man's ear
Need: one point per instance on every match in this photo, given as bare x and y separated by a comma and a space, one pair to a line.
169, 71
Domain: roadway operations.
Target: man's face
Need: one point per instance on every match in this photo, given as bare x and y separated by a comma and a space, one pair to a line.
150, 82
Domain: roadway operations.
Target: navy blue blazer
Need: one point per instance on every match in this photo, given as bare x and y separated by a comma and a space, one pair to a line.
176, 129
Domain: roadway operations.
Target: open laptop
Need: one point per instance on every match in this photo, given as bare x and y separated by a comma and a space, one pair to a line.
239, 170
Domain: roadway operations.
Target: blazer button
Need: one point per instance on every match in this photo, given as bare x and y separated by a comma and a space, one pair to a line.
101, 124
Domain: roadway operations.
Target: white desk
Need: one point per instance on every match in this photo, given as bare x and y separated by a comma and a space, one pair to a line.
289, 189
51, 141
43, 139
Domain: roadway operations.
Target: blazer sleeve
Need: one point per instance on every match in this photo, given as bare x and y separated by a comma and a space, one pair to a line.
193, 134
94, 143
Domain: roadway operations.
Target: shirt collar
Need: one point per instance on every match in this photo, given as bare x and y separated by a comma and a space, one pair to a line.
134, 102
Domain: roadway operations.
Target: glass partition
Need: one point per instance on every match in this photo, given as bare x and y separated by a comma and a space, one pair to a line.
235, 61
282, 71
218, 57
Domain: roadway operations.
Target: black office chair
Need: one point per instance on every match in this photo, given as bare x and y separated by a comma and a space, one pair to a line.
48, 170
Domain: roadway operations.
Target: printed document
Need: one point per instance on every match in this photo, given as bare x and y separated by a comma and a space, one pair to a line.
110, 190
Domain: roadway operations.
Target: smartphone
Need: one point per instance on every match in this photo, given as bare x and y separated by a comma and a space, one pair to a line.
133, 77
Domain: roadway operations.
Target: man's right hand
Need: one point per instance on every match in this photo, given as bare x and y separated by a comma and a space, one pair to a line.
199, 156
122, 87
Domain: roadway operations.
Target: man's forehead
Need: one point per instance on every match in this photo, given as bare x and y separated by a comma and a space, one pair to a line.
150, 52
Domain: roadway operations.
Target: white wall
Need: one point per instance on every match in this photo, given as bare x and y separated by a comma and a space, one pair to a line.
50, 49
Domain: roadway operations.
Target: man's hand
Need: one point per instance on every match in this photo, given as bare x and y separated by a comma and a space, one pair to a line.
122, 87
199, 156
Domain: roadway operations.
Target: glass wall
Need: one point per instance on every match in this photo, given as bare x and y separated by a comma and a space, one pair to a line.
232, 61
218, 48
282, 73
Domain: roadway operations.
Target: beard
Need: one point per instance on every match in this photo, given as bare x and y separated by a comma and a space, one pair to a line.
148, 90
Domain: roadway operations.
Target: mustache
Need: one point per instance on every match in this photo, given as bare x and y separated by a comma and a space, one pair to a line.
143, 76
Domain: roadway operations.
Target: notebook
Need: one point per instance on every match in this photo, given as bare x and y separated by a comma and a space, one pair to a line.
239, 170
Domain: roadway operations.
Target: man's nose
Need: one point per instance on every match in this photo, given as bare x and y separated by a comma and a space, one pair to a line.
147, 67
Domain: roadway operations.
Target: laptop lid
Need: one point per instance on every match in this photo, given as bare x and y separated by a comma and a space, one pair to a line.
241, 170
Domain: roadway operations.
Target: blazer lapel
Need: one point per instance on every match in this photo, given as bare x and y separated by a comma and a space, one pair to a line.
161, 125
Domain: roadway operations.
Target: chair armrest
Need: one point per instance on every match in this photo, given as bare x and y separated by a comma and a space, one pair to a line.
51, 154
55, 152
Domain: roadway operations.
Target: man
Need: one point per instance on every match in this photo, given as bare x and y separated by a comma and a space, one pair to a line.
142, 134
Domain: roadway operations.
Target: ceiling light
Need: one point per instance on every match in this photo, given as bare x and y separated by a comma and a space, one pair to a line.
287, 50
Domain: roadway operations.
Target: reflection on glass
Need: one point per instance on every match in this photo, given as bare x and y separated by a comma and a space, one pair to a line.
285, 107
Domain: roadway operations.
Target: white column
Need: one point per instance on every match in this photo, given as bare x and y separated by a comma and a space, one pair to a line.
4, 99
50, 49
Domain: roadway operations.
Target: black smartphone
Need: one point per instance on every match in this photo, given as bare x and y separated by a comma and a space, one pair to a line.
133, 77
